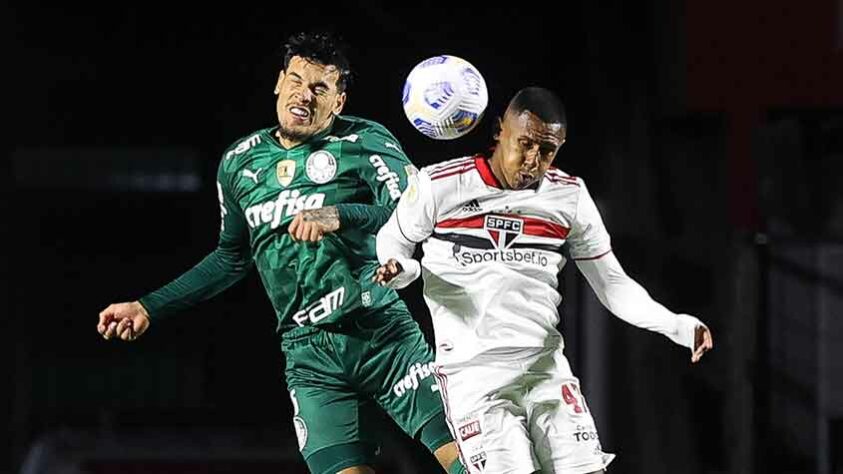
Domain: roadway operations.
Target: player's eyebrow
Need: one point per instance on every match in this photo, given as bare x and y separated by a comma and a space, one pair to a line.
544, 136
539, 137
319, 83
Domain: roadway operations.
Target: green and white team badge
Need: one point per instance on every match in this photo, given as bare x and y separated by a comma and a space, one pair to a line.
321, 167
298, 422
285, 170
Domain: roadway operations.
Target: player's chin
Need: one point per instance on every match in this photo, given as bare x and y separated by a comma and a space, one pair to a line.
522, 183
294, 127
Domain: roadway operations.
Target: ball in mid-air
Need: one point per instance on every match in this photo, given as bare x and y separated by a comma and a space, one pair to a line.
445, 97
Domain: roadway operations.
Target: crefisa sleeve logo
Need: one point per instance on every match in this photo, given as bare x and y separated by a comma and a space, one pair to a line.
321, 167
503, 230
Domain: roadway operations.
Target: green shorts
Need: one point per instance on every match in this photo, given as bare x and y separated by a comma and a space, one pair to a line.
336, 376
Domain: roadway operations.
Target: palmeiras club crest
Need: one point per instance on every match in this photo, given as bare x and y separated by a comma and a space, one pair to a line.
321, 167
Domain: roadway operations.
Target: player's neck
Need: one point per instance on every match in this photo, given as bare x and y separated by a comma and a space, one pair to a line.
287, 142
494, 164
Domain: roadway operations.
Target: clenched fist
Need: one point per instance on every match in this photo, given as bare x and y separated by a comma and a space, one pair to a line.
124, 320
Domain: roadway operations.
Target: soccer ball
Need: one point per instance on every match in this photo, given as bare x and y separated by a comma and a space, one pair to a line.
444, 97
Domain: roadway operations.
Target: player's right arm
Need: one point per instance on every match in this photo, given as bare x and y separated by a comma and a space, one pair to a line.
223, 267
411, 223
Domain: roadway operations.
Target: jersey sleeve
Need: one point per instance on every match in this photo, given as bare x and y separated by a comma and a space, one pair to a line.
588, 238
411, 223
415, 215
223, 267
629, 301
385, 169
234, 230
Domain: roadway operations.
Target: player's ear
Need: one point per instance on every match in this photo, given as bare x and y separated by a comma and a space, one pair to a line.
278, 84
498, 126
340, 103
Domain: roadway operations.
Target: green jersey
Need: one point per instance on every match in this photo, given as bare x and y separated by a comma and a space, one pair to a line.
356, 165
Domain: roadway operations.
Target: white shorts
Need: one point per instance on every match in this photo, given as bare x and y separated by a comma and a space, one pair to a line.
520, 411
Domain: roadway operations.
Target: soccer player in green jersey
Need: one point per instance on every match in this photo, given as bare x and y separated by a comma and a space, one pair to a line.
302, 201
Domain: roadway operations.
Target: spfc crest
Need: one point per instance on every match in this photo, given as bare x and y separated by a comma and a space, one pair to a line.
503, 230
479, 461
285, 170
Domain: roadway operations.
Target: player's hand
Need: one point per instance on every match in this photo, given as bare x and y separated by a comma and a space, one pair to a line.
386, 272
126, 321
312, 225
703, 342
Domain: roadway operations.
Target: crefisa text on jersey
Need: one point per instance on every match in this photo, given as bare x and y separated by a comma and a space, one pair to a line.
288, 203
385, 175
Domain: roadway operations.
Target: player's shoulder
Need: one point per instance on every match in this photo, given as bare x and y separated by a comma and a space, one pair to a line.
450, 168
557, 178
364, 129
448, 179
239, 150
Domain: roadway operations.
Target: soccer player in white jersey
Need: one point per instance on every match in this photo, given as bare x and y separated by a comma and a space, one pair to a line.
492, 231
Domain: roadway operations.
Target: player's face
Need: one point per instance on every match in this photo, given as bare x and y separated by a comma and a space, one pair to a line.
526, 148
308, 98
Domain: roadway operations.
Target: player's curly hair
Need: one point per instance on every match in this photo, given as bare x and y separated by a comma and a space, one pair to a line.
322, 47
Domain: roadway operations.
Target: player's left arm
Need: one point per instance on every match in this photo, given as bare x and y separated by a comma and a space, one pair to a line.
619, 293
411, 223
628, 300
385, 170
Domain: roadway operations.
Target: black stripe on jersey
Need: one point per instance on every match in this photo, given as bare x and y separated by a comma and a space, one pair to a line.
486, 244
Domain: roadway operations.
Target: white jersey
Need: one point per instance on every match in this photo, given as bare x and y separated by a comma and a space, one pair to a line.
492, 256
490, 266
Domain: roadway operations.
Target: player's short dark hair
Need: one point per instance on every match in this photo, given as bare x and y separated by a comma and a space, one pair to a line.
541, 102
321, 47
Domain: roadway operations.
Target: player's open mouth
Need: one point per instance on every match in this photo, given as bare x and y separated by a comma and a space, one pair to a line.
526, 177
299, 112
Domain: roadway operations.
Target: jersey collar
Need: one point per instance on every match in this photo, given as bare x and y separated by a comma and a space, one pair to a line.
482, 165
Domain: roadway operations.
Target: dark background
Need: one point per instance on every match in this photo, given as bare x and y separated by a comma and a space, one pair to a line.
709, 133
